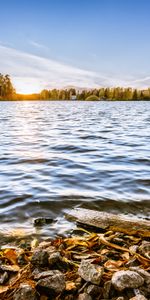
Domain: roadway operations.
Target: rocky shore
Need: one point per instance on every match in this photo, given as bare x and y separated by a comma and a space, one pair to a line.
84, 266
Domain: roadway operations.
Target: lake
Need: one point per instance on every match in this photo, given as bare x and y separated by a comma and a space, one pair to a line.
57, 155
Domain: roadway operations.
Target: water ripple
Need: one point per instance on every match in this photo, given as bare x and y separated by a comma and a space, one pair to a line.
58, 155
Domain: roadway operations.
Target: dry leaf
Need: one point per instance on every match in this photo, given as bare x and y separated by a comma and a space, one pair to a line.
113, 264
3, 289
11, 255
70, 285
125, 255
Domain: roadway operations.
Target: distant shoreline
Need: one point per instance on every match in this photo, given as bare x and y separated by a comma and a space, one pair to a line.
66, 100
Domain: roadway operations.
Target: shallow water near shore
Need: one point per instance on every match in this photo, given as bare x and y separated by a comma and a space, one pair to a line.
57, 155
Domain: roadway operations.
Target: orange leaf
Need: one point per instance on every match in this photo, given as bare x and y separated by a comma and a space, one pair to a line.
11, 255
113, 264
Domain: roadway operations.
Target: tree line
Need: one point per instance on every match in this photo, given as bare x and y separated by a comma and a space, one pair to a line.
7, 92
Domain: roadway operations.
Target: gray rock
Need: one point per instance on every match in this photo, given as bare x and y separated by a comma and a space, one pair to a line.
93, 290
90, 272
37, 274
126, 279
25, 292
54, 283
39, 258
54, 258
138, 297
84, 296
143, 273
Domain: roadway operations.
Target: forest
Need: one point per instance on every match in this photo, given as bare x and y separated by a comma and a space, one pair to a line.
7, 92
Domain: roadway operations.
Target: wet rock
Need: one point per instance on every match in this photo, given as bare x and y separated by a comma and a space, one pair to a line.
42, 221
84, 296
25, 292
143, 273
90, 272
126, 279
54, 283
138, 297
4, 278
94, 290
39, 258
106, 289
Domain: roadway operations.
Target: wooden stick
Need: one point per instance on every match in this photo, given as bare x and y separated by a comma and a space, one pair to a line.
119, 223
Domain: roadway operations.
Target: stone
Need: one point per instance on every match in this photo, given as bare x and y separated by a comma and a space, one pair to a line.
138, 297
90, 272
25, 292
54, 258
39, 258
42, 221
93, 290
143, 273
84, 296
126, 279
37, 274
54, 283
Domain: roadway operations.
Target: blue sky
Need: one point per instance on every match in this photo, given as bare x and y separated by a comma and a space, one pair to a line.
86, 43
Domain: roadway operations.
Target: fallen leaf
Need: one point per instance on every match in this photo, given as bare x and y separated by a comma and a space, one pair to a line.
113, 264
11, 255
70, 285
3, 289
125, 255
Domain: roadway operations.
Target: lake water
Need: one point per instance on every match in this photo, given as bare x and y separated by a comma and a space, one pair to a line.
59, 155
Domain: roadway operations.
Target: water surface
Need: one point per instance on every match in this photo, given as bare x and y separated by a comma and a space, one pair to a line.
57, 155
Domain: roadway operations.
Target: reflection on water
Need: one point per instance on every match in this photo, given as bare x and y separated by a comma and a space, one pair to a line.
58, 155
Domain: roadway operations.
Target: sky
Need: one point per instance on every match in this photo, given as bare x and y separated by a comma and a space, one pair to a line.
81, 43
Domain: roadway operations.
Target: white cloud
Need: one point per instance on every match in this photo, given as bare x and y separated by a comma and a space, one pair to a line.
31, 73
37, 45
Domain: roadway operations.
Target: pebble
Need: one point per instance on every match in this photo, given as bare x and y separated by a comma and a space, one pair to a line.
143, 273
54, 258
84, 296
25, 292
93, 290
126, 279
90, 272
40, 258
54, 283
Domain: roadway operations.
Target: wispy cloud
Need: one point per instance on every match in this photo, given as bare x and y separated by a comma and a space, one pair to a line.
37, 45
32, 73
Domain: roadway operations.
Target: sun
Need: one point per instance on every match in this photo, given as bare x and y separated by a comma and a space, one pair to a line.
27, 86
